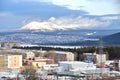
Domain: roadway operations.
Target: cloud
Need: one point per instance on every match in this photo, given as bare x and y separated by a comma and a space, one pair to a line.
94, 7
60, 7
70, 4
15, 13
3, 14
117, 2
37, 9
110, 18
80, 22
9, 21
67, 23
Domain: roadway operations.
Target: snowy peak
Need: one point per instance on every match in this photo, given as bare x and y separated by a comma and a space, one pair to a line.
41, 26
53, 24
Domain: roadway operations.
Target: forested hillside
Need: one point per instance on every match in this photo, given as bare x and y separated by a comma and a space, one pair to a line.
113, 39
113, 51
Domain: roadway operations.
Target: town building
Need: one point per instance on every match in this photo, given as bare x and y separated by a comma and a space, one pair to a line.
28, 55
101, 58
10, 61
50, 66
63, 56
75, 65
95, 58
37, 62
89, 57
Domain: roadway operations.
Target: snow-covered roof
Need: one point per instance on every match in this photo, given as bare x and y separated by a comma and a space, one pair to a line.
88, 53
73, 62
62, 52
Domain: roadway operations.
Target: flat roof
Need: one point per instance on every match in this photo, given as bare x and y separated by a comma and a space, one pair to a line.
74, 62
62, 52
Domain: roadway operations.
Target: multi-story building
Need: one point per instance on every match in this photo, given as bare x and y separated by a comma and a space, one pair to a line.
101, 58
10, 61
63, 56
2, 61
89, 57
60, 56
96, 58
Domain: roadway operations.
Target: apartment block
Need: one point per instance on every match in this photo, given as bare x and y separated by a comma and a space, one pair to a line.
96, 58
101, 58
64, 56
10, 61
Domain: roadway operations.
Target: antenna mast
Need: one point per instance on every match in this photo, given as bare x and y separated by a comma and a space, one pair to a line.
101, 52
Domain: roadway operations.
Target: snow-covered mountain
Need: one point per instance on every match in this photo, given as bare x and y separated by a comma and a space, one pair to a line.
41, 26
55, 24
46, 26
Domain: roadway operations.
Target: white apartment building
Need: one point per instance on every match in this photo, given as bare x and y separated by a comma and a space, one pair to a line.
97, 58
67, 56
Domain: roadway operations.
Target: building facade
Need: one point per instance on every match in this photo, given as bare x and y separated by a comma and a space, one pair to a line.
34, 61
75, 66
95, 58
29, 55
37, 64
64, 56
10, 61
101, 58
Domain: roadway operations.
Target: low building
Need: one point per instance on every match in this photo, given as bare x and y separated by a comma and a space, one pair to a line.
75, 65
41, 53
28, 55
50, 66
36, 60
10, 61
38, 64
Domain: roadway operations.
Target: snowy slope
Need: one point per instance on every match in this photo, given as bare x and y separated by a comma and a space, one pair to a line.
46, 26
42, 26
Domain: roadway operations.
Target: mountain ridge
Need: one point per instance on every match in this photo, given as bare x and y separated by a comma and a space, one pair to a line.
45, 26
112, 39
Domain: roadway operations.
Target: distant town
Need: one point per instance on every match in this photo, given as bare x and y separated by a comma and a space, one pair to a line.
25, 63
59, 39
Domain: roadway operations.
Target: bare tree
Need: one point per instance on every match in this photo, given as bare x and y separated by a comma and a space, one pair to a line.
29, 73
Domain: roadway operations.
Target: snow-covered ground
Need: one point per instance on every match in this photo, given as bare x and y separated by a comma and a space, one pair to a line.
53, 38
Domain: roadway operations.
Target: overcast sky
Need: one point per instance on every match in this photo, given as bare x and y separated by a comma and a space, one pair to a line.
16, 13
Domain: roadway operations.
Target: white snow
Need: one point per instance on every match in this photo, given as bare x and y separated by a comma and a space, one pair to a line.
53, 24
